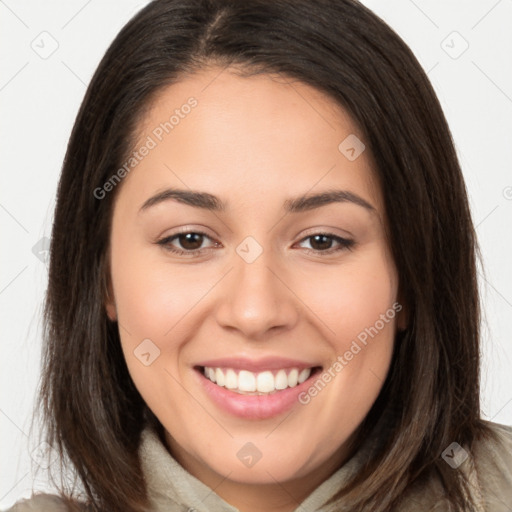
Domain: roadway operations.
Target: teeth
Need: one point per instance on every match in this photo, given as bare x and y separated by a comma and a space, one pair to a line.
281, 380
265, 382
219, 377
304, 375
231, 380
246, 382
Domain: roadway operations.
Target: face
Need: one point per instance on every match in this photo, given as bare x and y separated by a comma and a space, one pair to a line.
287, 303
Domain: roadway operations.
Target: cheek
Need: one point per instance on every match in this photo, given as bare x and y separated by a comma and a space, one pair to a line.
152, 302
151, 297
351, 300
358, 306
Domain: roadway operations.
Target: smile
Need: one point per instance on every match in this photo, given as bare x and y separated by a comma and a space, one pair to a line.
251, 383
255, 389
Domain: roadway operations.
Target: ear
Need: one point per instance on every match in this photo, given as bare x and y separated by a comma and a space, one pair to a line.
109, 301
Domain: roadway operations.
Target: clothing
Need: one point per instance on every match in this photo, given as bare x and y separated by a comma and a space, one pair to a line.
172, 489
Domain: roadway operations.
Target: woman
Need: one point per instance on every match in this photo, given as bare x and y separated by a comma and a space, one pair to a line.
262, 287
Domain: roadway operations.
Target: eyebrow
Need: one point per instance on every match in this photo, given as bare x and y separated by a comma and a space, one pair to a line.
210, 202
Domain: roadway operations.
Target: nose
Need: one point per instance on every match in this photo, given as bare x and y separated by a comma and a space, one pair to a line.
256, 299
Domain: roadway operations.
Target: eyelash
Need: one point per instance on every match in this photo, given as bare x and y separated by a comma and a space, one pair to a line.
344, 243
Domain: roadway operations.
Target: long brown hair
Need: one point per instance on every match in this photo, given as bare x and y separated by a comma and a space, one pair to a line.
93, 413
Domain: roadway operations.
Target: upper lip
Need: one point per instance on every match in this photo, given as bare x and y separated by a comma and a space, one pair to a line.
257, 365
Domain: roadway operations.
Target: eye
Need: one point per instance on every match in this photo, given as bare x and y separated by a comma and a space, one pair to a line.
190, 241
322, 243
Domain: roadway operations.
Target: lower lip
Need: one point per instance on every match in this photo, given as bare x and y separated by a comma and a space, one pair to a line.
253, 407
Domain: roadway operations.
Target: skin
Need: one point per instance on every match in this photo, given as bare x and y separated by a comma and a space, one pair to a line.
253, 142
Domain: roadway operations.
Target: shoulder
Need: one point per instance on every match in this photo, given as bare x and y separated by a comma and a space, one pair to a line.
493, 450
487, 467
492, 456
43, 503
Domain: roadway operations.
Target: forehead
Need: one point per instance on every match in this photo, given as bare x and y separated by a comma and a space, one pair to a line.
270, 134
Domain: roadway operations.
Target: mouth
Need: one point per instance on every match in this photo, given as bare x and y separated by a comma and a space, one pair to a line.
257, 394
250, 383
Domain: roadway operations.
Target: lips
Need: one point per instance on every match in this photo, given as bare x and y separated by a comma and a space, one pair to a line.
255, 389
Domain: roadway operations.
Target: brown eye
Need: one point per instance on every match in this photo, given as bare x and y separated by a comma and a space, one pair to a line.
187, 243
321, 242
325, 243
190, 241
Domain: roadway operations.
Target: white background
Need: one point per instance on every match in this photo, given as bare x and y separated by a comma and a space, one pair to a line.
39, 98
